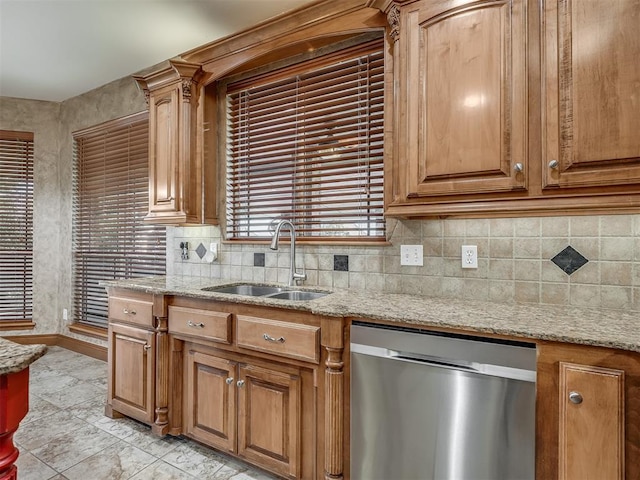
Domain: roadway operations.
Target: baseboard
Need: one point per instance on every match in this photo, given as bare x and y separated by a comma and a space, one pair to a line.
85, 348
73, 344
50, 339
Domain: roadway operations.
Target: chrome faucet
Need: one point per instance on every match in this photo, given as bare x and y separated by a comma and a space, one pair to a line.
293, 274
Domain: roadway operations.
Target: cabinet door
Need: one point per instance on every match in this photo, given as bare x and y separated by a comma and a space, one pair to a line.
164, 121
269, 418
591, 422
175, 160
132, 371
463, 88
590, 60
210, 409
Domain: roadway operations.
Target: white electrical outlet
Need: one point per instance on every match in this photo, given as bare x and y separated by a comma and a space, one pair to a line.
65, 314
469, 256
212, 254
411, 255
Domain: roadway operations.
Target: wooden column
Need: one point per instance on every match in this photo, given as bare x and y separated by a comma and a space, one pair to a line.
332, 341
161, 419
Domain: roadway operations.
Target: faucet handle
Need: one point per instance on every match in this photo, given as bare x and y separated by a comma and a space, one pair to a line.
300, 276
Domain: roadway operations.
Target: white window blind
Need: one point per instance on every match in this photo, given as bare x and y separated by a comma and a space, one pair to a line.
16, 227
111, 198
306, 143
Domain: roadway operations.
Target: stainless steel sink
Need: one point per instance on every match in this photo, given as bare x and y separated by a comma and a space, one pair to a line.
267, 291
298, 295
249, 289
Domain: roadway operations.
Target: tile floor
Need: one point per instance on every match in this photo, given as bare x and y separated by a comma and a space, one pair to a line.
65, 435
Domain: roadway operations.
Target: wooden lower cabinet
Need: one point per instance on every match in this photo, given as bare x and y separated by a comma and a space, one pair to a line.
591, 422
269, 418
210, 399
588, 404
264, 412
131, 383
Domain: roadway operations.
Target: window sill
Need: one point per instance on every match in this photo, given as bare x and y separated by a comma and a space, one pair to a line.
95, 332
318, 242
17, 325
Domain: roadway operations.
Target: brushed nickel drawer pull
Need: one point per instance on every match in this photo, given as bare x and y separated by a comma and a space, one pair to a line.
128, 312
195, 325
269, 338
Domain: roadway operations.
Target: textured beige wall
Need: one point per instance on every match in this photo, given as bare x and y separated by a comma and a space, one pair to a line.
53, 125
43, 119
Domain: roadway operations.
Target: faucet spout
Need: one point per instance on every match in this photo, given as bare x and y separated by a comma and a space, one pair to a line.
293, 274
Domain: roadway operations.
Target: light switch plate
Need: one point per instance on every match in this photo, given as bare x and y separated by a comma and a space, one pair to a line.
411, 255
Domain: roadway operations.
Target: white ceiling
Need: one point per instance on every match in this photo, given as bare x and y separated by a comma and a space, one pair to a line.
57, 49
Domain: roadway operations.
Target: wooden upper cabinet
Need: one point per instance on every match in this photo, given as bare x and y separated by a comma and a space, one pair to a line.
591, 92
514, 107
462, 84
177, 171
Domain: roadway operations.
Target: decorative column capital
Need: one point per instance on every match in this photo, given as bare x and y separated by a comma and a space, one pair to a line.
393, 18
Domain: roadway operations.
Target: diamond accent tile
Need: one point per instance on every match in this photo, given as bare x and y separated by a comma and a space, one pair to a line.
201, 251
569, 260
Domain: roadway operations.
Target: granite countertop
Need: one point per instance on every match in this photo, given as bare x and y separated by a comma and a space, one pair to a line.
597, 327
15, 357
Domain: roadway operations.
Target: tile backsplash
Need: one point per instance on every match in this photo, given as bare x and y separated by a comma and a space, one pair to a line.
514, 260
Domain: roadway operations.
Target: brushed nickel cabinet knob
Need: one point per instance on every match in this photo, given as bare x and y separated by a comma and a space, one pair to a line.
575, 397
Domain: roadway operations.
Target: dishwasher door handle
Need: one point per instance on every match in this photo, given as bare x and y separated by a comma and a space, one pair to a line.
449, 363
430, 360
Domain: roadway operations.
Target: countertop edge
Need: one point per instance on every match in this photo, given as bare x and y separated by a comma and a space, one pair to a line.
566, 324
15, 357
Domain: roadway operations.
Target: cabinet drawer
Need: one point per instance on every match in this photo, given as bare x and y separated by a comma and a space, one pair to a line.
280, 338
205, 324
131, 310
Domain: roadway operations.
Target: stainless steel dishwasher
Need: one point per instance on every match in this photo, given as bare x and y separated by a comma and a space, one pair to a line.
428, 405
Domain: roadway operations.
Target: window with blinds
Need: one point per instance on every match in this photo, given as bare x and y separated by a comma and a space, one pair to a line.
111, 198
16, 227
306, 143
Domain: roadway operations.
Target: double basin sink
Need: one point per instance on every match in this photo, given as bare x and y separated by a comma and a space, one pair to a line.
267, 291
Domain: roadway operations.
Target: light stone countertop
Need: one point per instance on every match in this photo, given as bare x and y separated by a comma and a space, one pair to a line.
597, 327
15, 357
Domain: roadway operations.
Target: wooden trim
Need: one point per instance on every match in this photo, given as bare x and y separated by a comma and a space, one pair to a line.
276, 27
89, 331
509, 207
118, 122
73, 344
47, 339
17, 325
17, 135
85, 348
